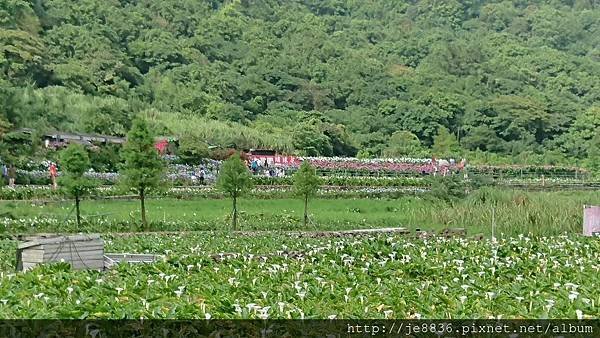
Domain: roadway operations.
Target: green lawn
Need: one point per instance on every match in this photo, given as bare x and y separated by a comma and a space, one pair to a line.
512, 212
350, 212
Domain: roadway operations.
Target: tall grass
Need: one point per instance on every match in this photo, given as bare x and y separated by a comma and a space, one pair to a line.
225, 134
517, 212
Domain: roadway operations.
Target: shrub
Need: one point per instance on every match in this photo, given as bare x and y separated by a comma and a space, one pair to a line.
449, 188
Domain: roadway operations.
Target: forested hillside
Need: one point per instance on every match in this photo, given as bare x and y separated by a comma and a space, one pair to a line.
320, 77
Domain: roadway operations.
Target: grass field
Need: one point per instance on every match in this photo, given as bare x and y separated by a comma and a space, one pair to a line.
512, 212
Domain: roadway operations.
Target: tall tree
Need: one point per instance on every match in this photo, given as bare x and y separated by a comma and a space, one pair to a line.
192, 150
234, 180
75, 162
306, 184
445, 144
4, 126
310, 140
593, 152
403, 143
576, 141
143, 169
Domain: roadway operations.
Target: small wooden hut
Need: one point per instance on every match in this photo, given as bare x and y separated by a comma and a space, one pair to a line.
80, 251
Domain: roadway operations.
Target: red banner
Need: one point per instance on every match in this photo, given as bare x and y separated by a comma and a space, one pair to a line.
282, 160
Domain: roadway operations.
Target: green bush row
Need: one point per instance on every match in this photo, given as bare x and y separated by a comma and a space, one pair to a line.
518, 171
349, 181
45, 193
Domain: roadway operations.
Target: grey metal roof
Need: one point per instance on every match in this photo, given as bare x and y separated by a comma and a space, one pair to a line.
87, 137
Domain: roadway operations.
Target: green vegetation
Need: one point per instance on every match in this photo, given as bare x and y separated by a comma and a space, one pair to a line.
235, 181
404, 143
513, 212
192, 150
492, 81
75, 163
143, 169
495, 80
445, 144
281, 276
306, 184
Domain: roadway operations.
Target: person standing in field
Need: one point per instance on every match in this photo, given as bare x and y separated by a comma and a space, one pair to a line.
463, 167
12, 175
202, 173
443, 165
4, 173
53, 174
254, 166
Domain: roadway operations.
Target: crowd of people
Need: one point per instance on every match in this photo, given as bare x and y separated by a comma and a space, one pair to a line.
9, 175
448, 167
263, 168
209, 171
433, 166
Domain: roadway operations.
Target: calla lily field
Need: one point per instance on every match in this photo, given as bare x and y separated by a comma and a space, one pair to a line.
279, 276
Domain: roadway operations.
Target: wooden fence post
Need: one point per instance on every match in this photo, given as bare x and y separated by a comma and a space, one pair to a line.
543, 180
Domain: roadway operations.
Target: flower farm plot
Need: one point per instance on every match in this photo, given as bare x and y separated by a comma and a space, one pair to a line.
275, 276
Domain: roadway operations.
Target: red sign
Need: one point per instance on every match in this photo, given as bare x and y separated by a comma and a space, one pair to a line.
282, 160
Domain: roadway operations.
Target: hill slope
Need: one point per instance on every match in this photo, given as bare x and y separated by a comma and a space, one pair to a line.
328, 77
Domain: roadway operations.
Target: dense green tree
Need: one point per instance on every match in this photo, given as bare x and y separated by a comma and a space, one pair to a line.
519, 118
143, 169
593, 153
505, 76
310, 140
20, 55
106, 157
445, 144
74, 162
483, 138
576, 141
234, 180
5, 126
403, 143
306, 184
192, 150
